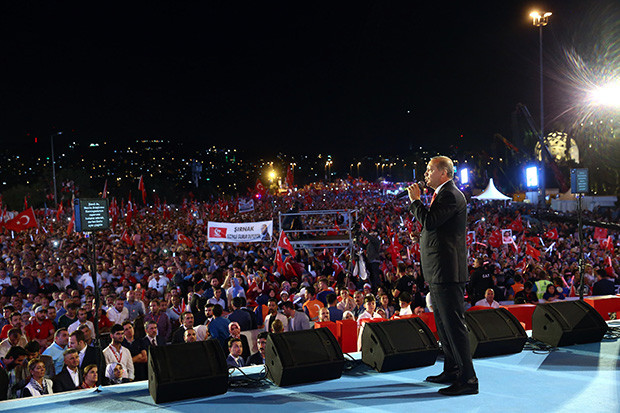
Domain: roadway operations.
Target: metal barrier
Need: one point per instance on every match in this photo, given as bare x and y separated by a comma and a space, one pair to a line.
318, 229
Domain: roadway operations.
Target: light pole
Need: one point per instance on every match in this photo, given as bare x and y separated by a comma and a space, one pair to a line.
540, 20
358, 169
54, 169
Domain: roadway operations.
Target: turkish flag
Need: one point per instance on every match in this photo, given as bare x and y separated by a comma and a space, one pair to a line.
366, 225
126, 237
552, 233
289, 176
600, 233
609, 269
279, 262
22, 221
260, 188
470, 238
59, 212
495, 240
415, 248
516, 225
182, 239
337, 266
292, 268
71, 224
532, 252
142, 189
283, 242
608, 244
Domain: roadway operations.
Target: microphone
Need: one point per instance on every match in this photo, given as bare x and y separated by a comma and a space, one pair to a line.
405, 193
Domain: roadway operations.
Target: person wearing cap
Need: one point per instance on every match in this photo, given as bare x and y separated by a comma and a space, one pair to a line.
40, 328
158, 281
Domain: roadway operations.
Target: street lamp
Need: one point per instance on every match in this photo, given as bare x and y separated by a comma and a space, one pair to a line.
54, 168
540, 20
605, 95
358, 169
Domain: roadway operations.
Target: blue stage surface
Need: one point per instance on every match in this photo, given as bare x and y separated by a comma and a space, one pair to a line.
580, 378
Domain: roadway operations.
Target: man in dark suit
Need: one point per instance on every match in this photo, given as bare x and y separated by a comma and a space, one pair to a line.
70, 377
444, 264
14, 358
235, 348
87, 354
258, 358
152, 338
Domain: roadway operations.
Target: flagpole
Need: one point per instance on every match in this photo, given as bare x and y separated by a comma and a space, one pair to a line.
580, 226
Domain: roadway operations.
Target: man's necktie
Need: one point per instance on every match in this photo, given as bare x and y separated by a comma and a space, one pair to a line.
433, 197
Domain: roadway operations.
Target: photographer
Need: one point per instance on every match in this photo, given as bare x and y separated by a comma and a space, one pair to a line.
371, 244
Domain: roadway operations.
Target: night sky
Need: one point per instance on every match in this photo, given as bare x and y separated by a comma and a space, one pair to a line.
361, 77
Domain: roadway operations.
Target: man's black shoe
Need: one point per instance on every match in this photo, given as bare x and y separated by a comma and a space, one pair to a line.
443, 378
460, 388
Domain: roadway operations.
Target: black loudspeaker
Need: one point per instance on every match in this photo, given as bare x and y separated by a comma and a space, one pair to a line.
303, 357
494, 332
187, 370
564, 323
398, 344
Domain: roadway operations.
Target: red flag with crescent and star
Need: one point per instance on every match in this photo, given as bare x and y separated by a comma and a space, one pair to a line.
283, 242
183, 239
22, 221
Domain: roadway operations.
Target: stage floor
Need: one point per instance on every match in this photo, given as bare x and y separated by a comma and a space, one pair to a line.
577, 378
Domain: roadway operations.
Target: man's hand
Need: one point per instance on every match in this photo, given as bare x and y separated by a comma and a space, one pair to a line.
414, 192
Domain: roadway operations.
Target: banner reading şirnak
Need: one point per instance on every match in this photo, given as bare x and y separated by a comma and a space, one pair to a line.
240, 232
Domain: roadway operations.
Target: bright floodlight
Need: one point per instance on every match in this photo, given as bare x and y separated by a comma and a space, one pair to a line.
540, 19
531, 177
272, 174
464, 176
605, 95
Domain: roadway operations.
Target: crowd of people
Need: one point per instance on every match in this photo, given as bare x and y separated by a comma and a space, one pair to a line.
156, 290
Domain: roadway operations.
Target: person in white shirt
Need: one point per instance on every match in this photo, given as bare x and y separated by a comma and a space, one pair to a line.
159, 281
488, 300
370, 305
81, 319
217, 298
119, 312
116, 353
87, 281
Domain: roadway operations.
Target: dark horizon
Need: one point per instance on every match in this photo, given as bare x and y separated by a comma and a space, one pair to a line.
346, 78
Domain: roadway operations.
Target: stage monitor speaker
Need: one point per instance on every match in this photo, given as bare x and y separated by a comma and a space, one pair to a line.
187, 370
494, 332
398, 344
563, 323
303, 356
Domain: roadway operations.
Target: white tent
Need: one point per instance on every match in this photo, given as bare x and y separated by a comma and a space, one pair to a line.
491, 193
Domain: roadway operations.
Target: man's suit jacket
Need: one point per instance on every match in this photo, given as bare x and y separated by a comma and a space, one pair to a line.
90, 357
230, 361
146, 342
255, 359
442, 241
63, 381
299, 322
179, 335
